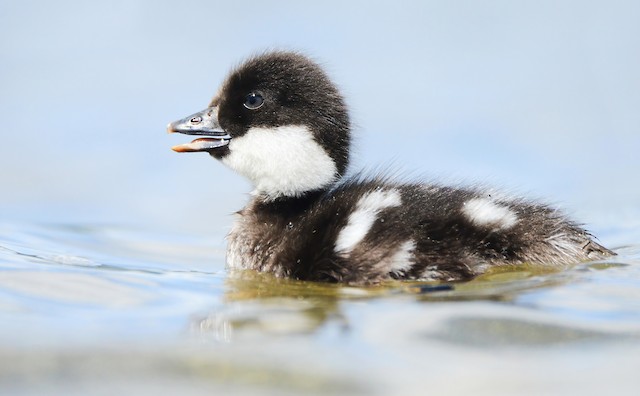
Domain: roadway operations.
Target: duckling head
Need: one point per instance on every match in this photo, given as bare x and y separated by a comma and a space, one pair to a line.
279, 121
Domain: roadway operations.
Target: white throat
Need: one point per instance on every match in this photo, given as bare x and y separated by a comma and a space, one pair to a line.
281, 161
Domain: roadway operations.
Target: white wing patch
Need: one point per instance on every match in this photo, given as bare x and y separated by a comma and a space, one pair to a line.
485, 212
363, 217
281, 161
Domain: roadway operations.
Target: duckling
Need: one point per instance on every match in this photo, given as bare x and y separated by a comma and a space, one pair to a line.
280, 121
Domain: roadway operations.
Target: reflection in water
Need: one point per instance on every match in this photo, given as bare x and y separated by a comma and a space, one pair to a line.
256, 303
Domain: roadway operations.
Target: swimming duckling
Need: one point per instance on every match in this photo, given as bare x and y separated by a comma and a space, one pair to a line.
279, 121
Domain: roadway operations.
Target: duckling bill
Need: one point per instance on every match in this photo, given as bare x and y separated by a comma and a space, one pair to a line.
203, 123
279, 121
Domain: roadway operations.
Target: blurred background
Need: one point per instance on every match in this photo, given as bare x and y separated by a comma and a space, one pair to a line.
538, 97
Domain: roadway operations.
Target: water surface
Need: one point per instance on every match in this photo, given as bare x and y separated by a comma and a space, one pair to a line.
115, 310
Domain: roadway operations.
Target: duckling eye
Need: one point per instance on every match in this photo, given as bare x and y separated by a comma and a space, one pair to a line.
253, 101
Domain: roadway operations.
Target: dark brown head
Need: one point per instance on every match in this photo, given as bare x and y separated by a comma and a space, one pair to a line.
278, 120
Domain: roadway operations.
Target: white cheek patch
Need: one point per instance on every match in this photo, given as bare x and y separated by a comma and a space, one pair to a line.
363, 217
484, 212
281, 161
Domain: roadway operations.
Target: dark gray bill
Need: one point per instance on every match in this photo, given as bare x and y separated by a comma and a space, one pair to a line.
205, 124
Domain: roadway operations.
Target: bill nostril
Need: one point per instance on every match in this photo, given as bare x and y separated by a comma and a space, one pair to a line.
196, 120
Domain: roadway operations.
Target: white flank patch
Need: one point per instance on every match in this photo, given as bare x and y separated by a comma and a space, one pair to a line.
282, 161
484, 212
402, 258
362, 218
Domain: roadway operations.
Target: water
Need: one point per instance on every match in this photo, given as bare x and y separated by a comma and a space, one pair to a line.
102, 310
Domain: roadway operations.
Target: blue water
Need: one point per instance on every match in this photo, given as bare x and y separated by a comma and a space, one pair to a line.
94, 309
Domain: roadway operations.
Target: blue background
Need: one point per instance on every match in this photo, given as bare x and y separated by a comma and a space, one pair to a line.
538, 97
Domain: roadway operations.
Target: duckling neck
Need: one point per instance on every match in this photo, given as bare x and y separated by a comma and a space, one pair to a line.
289, 206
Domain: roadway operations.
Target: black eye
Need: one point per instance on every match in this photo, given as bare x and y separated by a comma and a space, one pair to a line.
253, 101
